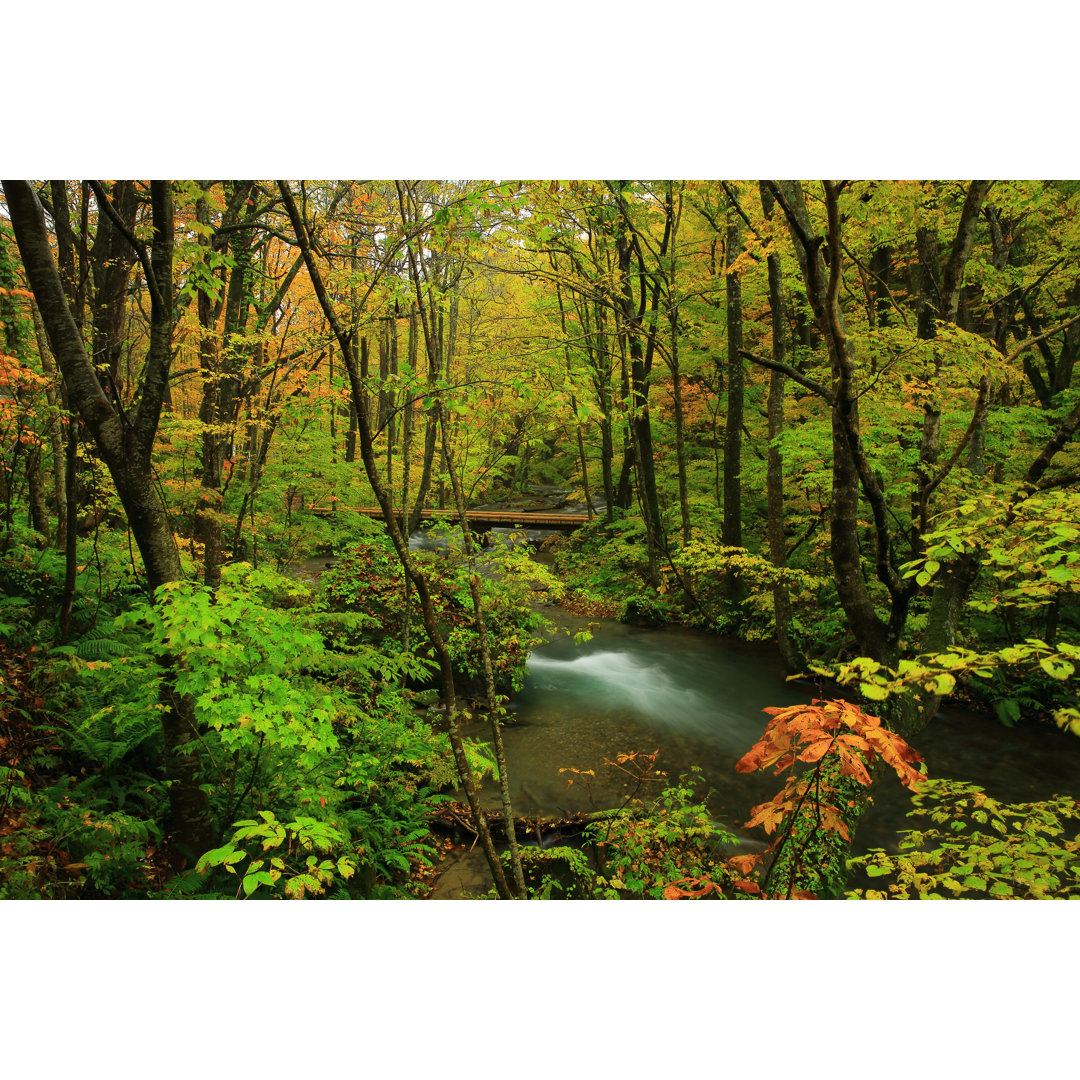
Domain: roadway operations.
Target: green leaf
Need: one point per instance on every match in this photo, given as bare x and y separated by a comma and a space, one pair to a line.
1007, 711
943, 684
873, 691
1056, 668
301, 884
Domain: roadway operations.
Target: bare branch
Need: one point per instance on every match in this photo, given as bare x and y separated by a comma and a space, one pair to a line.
1030, 342
792, 373
137, 245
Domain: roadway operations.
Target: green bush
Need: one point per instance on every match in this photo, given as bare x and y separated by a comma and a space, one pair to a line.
978, 848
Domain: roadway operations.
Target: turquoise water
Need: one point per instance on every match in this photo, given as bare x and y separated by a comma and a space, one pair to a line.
697, 700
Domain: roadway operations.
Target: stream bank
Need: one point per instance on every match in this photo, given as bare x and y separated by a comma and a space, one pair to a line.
698, 700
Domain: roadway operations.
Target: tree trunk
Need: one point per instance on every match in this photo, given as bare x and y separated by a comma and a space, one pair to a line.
731, 532
39, 514
111, 261
869, 631
125, 444
485, 656
400, 541
632, 330
793, 661
574, 404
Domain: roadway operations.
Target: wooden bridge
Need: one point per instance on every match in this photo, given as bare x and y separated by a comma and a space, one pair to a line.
479, 520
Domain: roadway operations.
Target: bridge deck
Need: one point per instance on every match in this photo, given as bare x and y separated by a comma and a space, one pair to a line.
478, 519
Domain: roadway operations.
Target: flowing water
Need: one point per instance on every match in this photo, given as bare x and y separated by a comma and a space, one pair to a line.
698, 700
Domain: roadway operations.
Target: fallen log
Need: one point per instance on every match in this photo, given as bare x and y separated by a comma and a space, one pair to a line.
456, 818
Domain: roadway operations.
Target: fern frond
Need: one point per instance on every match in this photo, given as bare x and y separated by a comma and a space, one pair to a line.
110, 735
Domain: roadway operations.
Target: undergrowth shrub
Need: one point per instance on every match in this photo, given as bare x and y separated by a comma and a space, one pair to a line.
368, 584
975, 847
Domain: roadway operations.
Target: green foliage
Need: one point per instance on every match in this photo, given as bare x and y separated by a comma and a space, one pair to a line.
288, 860
976, 847
508, 582
368, 583
555, 873
1028, 547
710, 569
245, 662
74, 843
607, 569
674, 839
303, 732
938, 673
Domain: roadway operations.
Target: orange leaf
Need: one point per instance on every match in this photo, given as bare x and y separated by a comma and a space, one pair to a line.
816, 751
748, 886
744, 863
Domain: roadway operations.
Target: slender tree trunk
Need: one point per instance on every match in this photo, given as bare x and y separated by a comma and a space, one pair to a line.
793, 661
350, 438
401, 545
407, 426
880, 266
731, 532
111, 260
866, 627
71, 527
54, 391
680, 429
673, 218
574, 404
599, 363
485, 656
391, 401
333, 404
39, 513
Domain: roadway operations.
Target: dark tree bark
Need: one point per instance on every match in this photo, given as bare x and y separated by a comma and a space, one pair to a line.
774, 480
941, 303
731, 532
221, 361
582, 462
35, 483
125, 443
111, 260
598, 355
823, 292
65, 247
640, 344
880, 269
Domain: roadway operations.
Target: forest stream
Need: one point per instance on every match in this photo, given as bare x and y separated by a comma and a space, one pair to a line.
698, 700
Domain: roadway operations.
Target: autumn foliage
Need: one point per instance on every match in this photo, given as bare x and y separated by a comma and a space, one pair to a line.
808, 733
823, 732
